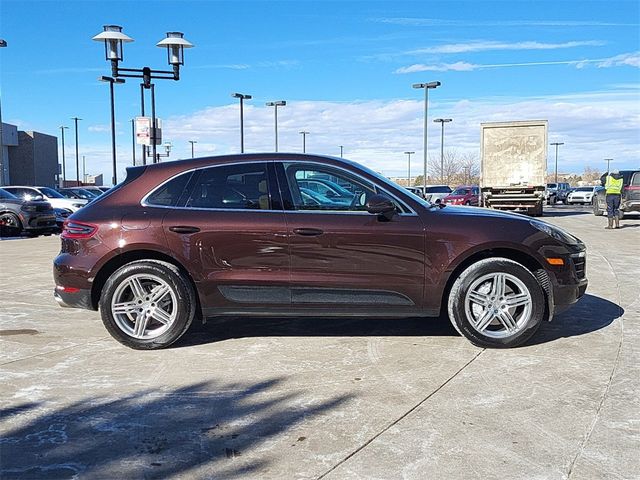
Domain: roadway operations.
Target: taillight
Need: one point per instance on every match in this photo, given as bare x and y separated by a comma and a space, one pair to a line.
74, 229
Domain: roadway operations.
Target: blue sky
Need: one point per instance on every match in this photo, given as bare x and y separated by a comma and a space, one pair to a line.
345, 69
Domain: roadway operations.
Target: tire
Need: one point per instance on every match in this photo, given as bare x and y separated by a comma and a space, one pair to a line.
11, 224
597, 211
163, 319
620, 214
472, 310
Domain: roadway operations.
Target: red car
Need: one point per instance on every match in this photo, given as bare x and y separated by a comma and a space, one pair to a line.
464, 195
238, 235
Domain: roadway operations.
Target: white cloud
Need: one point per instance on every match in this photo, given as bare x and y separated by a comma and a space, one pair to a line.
624, 59
99, 128
485, 46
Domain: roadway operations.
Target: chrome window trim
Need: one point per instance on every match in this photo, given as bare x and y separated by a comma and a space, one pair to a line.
144, 203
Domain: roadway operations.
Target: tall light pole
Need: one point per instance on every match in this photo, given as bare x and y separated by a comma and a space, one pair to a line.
111, 81
442, 121
192, 142
64, 175
3, 162
426, 87
275, 105
304, 141
608, 160
557, 144
75, 119
341, 150
408, 154
242, 98
175, 44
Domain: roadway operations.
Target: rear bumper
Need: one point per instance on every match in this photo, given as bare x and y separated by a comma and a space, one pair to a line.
79, 298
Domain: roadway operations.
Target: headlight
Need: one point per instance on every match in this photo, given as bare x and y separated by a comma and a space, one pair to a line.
555, 232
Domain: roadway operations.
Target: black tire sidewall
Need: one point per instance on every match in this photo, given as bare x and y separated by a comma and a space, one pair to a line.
178, 283
495, 265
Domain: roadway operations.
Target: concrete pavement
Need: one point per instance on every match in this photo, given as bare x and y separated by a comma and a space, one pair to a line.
321, 398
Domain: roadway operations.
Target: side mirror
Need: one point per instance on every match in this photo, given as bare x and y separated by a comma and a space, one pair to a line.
382, 206
38, 198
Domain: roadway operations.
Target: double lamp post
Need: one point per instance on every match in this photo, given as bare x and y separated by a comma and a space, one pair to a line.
113, 39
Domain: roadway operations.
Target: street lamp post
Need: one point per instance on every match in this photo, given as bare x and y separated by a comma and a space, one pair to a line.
304, 141
442, 121
192, 142
242, 98
608, 160
111, 81
426, 87
557, 144
408, 154
167, 151
64, 175
75, 120
175, 44
275, 105
341, 149
3, 162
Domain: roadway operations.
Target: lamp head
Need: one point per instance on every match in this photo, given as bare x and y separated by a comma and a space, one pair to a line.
113, 39
175, 45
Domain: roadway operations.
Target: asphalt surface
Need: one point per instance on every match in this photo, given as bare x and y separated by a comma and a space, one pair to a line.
321, 398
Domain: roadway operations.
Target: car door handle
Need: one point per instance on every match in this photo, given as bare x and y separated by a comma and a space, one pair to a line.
308, 232
184, 229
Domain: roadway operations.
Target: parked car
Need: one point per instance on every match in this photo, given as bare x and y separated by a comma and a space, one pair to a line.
630, 201
77, 192
49, 194
581, 195
233, 235
464, 195
416, 191
557, 192
96, 190
17, 216
435, 193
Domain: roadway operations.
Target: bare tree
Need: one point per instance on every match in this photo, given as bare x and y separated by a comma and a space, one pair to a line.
456, 168
591, 175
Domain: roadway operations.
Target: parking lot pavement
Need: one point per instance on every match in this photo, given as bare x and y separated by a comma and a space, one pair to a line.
322, 398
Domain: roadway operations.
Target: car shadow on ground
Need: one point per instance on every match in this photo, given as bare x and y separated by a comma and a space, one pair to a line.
156, 433
591, 313
560, 212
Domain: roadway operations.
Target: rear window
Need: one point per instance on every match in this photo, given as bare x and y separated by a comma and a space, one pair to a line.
4, 195
439, 189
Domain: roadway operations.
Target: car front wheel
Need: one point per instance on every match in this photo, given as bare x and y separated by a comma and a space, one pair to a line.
496, 303
147, 304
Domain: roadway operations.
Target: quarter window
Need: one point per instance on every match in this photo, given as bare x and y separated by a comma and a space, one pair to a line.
169, 193
232, 187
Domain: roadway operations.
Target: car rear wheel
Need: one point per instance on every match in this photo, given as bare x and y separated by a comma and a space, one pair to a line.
147, 304
10, 224
496, 303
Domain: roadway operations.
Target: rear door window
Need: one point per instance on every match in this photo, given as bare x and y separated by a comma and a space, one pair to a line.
242, 186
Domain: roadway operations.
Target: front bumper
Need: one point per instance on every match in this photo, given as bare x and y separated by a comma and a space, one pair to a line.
38, 221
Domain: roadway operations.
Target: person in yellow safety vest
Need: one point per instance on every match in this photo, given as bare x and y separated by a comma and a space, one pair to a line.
612, 182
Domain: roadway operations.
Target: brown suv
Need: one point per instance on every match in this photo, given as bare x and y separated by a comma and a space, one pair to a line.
247, 235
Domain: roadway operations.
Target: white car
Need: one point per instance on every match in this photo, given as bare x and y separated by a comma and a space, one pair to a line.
435, 193
49, 194
582, 195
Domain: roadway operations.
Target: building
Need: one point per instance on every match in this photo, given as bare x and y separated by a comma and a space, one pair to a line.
28, 158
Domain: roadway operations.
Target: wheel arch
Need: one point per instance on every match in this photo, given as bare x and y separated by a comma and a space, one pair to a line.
523, 258
124, 258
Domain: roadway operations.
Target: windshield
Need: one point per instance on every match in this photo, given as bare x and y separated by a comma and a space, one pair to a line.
50, 192
551, 185
461, 191
584, 189
6, 195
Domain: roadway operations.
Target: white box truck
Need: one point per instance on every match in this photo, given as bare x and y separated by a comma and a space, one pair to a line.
513, 165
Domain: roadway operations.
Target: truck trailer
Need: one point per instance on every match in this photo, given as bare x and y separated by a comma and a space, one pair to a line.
513, 165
